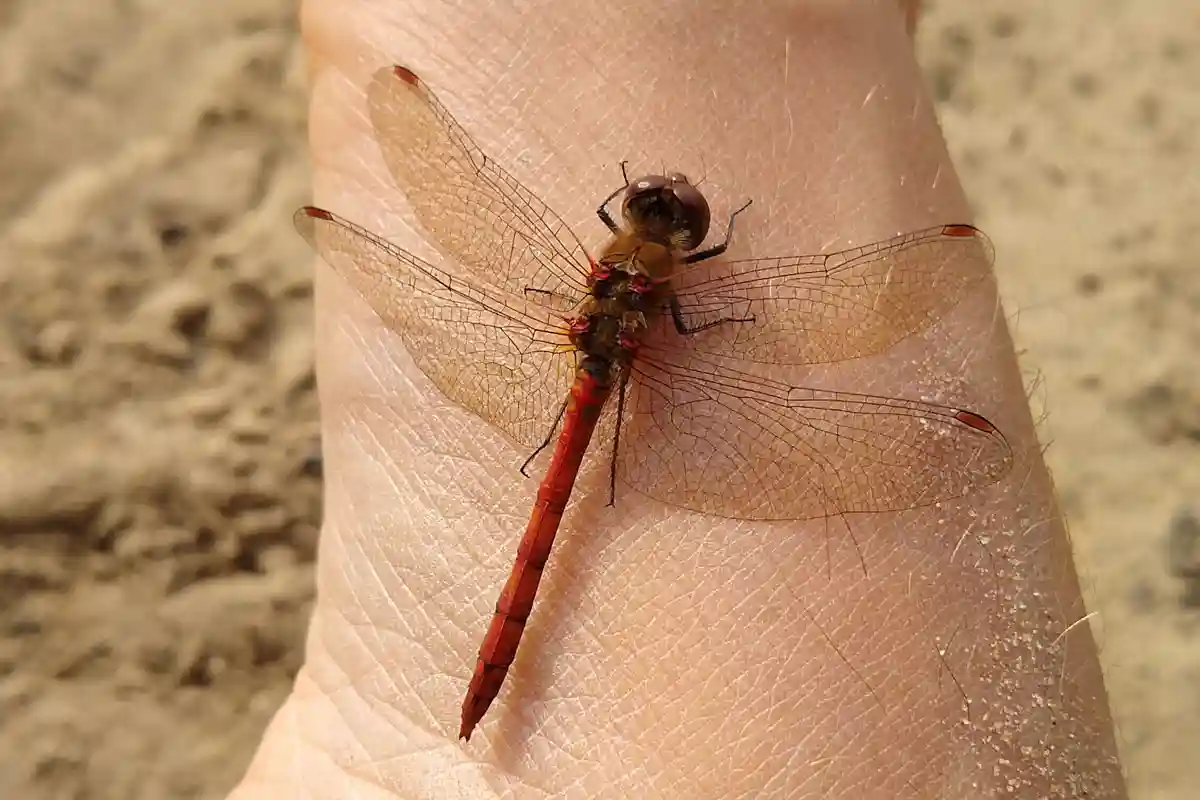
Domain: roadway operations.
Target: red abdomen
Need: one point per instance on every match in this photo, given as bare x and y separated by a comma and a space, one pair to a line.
499, 647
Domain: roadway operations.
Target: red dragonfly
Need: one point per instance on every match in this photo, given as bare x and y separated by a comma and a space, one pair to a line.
519, 325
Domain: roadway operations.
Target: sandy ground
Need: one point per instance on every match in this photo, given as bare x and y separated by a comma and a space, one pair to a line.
158, 504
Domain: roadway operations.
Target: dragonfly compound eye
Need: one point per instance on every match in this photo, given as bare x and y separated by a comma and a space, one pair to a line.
644, 187
693, 212
667, 207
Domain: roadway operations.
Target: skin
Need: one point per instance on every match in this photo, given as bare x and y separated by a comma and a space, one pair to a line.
941, 652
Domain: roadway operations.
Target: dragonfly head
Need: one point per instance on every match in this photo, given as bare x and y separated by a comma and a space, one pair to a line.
667, 209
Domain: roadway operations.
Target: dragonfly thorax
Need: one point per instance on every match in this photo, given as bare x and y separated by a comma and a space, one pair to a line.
608, 332
629, 255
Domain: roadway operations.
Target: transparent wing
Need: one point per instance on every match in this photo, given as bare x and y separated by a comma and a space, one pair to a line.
505, 357
822, 308
479, 214
703, 436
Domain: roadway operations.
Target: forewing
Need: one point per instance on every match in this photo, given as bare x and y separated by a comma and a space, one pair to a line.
479, 214
703, 436
822, 308
505, 357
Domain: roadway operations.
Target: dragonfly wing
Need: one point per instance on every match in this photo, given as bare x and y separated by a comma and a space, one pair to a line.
478, 213
703, 436
822, 308
505, 357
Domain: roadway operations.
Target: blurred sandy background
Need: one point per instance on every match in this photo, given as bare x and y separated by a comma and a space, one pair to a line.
158, 506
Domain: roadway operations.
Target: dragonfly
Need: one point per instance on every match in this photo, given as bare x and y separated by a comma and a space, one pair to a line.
672, 362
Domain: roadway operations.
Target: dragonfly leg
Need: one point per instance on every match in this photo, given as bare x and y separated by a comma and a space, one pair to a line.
684, 329
549, 437
612, 462
602, 211
717, 249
